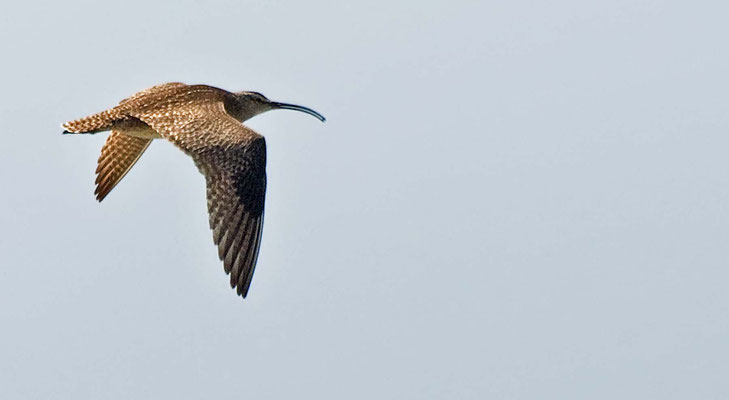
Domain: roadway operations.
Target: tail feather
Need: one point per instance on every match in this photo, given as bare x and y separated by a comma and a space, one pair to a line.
93, 123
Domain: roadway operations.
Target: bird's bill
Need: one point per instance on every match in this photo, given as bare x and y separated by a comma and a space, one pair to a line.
286, 106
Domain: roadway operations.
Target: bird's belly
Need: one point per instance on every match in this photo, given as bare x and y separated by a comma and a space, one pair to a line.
144, 133
136, 128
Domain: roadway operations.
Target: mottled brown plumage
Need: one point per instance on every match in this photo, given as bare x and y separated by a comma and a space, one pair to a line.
205, 123
118, 156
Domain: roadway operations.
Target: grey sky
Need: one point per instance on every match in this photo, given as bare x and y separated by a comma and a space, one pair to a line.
512, 200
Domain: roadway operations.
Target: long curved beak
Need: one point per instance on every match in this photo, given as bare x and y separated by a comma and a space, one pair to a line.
286, 106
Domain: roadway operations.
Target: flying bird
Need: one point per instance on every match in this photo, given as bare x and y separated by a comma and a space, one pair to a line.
205, 123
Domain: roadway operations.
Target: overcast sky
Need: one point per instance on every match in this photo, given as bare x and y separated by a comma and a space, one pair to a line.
509, 200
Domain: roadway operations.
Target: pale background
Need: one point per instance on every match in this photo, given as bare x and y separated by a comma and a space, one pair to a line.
509, 200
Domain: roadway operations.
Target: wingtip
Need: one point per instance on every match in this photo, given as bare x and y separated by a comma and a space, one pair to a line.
240, 292
243, 292
100, 195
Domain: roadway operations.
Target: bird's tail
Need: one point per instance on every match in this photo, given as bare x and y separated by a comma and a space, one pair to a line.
93, 123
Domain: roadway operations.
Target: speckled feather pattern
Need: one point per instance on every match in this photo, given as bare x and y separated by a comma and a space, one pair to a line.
118, 156
231, 156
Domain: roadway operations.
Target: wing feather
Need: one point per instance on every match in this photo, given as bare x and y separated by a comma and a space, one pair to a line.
232, 158
118, 156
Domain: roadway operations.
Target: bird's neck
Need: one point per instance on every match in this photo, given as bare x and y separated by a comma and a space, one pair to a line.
241, 111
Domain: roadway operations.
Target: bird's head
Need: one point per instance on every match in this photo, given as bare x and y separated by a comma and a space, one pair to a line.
250, 104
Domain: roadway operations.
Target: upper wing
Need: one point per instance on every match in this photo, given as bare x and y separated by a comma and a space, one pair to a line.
233, 160
118, 156
236, 189
158, 90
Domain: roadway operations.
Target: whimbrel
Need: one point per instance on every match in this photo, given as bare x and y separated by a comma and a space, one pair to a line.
205, 123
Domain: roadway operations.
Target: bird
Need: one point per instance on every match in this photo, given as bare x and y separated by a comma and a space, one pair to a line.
205, 122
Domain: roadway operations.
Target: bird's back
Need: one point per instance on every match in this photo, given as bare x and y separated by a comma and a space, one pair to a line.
170, 95
157, 99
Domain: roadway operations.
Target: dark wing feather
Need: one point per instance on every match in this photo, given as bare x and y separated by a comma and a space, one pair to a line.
236, 191
233, 160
